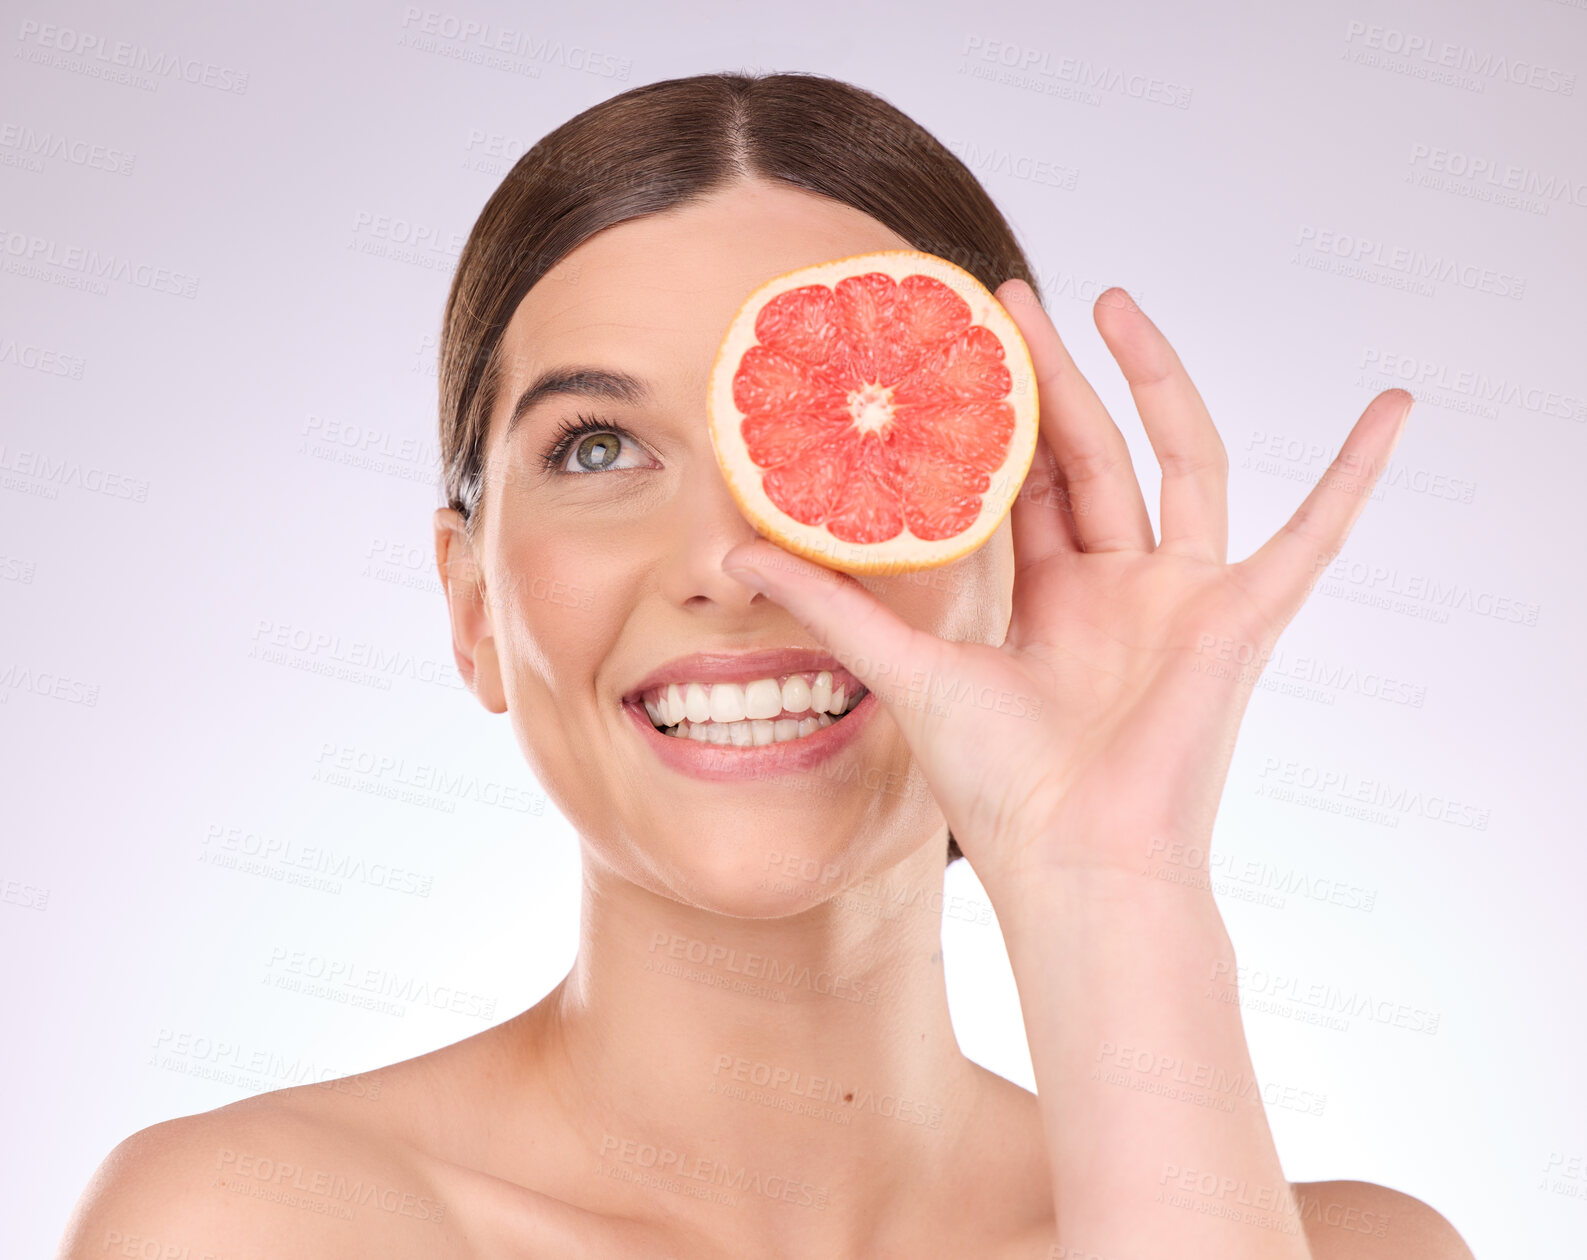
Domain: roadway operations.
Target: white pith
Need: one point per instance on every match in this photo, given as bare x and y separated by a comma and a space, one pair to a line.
872, 407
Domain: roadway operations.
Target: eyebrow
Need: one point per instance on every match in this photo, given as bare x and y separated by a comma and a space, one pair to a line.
582, 382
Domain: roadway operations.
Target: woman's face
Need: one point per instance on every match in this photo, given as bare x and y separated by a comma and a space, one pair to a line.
603, 568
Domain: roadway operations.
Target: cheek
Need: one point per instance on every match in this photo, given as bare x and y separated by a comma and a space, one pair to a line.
553, 604
557, 611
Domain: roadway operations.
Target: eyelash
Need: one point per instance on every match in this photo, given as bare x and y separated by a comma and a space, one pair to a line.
570, 431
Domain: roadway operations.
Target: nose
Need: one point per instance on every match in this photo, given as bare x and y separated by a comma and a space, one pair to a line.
705, 523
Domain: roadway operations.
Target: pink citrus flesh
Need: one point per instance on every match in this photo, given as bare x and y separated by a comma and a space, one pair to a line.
876, 414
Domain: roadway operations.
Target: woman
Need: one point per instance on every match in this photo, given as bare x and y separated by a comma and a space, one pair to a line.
740, 1063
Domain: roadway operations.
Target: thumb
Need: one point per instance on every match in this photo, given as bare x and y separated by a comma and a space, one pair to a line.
888, 655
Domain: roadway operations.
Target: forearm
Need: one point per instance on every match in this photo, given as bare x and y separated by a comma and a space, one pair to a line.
1158, 1141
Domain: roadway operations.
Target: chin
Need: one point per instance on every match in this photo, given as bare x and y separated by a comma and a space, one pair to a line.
729, 872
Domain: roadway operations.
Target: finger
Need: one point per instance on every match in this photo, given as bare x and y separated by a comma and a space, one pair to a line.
1280, 574
870, 640
1194, 518
1109, 512
1041, 518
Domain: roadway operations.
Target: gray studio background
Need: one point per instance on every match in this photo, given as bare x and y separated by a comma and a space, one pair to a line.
225, 240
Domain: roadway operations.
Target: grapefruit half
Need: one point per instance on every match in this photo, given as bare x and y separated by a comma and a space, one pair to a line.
876, 413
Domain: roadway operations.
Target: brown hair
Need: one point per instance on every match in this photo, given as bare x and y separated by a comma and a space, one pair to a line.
666, 144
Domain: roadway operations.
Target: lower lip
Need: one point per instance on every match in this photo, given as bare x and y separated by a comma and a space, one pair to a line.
720, 762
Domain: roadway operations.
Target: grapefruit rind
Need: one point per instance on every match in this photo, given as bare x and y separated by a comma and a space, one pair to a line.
904, 552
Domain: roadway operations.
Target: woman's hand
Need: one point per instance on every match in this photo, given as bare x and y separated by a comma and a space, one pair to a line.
1109, 713
1101, 727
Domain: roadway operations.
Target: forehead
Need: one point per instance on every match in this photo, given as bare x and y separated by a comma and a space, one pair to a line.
653, 296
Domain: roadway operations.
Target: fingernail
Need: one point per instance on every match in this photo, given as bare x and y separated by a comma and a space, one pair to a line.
750, 577
1404, 416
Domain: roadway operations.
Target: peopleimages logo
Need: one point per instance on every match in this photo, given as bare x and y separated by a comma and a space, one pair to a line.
715, 1172
344, 765
1444, 55
1205, 1084
279, 642
1242, 983
1440, 597
1412, 264
1477, 386
117, 59
1282, 778
758, 967
35, 146
51, 474
1080, 73
254, 1068
306, 865
24, 253
1506, 176
774, 1078
282, 1175
296, 969
474, 40
40, 359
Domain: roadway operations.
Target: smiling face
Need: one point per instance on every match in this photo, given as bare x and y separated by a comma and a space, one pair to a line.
600, 556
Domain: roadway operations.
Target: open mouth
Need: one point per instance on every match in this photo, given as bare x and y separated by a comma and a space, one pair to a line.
752, 714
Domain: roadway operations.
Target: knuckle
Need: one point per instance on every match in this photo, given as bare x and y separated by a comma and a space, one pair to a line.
1194, 463
1086, 466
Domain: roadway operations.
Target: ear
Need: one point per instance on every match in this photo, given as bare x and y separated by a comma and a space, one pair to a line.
473, 643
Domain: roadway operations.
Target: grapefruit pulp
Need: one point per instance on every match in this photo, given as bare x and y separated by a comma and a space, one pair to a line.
876, 413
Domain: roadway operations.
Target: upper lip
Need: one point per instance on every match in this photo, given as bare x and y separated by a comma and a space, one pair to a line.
740, 667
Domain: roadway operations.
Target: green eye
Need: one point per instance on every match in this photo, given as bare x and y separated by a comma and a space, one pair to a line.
590, 445
597, 451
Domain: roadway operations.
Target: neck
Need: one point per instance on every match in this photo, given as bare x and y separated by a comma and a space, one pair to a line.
811, 1049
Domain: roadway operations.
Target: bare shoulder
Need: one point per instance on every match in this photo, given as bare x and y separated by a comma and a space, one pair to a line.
257, 1178
386, 1164
1004, 1170
1359, 1220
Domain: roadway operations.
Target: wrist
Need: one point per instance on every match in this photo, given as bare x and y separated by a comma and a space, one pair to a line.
1158, 896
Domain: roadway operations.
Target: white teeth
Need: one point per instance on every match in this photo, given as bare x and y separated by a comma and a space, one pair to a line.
746, 715
727, 702
795, 695
763, 698
748, 734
